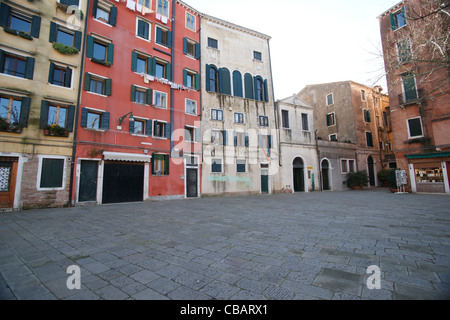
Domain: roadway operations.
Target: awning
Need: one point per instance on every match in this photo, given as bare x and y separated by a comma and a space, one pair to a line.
129, 157
428, 155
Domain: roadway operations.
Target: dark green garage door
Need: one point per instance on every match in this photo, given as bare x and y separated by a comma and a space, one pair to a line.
123, 183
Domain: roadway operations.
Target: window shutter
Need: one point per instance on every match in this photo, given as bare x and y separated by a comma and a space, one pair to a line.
105, 121
235, 139
198, 134
108, 87
141, 28
169, 72
2, 58
133, 93
87, 81
185, 43
168, 130
90, 47
113, 16
169, 39
51, 72
5, 11
248, 79
208, 79
392, 18
153, 164
151, 63
35, 26
133, 61
197, 82
149, 97
237, 84
131, 127
197, 51
409, 85
266, 92
158, 35
29, 70
224, 136
84, 116
270, 141
94, 8
43, 121
110, 58
24, 111
247, 143
328, 120
225, 81
77, 40
255, 88
166, 165
53, 32
68, 79
148, 128
185, 78
70, 118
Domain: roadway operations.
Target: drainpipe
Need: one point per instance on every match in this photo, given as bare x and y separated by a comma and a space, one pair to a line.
77, 113
275, 108
172, 60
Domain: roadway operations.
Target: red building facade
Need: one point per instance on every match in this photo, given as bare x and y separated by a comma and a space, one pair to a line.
138, 118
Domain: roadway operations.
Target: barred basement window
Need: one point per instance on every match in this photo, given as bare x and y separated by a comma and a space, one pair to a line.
52, 172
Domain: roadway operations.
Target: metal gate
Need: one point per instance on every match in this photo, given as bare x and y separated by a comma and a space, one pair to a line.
123, 183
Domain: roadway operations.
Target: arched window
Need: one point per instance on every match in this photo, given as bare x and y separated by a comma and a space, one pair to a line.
261, 93
225, 81
237, 84
212, 78
248, 81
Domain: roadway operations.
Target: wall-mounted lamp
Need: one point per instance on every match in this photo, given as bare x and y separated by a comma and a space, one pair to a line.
123, 118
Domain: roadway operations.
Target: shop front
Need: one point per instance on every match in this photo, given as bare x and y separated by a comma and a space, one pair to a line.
429, 172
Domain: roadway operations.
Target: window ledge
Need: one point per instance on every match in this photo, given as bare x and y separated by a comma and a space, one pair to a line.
95, 130
103, 22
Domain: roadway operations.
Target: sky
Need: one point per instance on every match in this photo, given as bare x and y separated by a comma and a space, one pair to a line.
312, 41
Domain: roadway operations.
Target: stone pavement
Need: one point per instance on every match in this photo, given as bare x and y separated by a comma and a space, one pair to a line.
278, 247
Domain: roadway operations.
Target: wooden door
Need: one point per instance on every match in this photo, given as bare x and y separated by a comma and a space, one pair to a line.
8, 174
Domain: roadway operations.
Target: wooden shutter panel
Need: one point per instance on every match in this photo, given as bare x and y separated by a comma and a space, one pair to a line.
2, 57
197, 82
150, 65
235, 139
169, 39
113, 16
94, 8
29, 70
131, 130
35, 26
141, 29
149, 97
328, 120
133, 93
108, 87
224, 136
87, 81
208, 79
90, 47
166, 165
51, 72
70, 117
134, 61
168, 130
168, 75
5, 11
269, 138
392, 18
248, 80
158, 35
246, 140
185, 74
197, 51
237, 84
148, 128
225, 81
53, 32
43, 120
84, 116
24, 111
68, 79
185, 44
266, 92
105, 120
110, 57
78, 39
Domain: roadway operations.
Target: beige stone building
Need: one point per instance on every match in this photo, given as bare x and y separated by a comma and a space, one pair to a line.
240, 145
351, 131
40, 64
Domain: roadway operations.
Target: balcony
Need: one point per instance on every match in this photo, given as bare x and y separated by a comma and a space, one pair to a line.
410, 97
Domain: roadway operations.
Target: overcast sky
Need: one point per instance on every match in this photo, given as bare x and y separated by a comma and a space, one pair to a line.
313, 41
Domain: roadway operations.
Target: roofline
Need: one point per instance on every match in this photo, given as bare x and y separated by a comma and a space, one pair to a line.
391, 9
338, 82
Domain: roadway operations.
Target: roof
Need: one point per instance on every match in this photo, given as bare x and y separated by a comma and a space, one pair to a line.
397, 6
295, 100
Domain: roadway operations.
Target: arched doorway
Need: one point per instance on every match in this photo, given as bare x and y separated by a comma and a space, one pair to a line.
371, 167
326, 185
299, 175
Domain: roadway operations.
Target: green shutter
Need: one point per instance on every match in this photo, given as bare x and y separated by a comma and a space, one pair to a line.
208, 79
105, 121
53, 32
113, 16
185, 44
108, 87
133, 93
225, 81
266, 92
169, 39
35, 26
168, 75
248, 80
197, 82
224, 135
70, 118
392, 18
237, 84
84, 116
152, 66
68, 79
148, 128
168, 131
5, 11
166, 165
110, 58
29, 69
185, 74
51, 72
43, 120
158, 35
2, 58
87, 81
149, 97
197, 51
90, 46
24, 111
141, 29
78, 39
94, 8
134, 61
131, 130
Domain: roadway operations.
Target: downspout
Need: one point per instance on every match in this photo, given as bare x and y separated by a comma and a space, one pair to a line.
77, 113
172, 60
276, 113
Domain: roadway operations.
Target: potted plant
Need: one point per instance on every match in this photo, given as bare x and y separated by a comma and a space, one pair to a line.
56, 130
383, 176
357, 180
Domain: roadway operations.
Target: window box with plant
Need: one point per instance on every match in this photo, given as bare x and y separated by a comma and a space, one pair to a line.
56, 130
6, 126
357, 180
64, 49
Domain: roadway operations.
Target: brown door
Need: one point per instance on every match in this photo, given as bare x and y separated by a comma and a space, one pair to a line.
8, 173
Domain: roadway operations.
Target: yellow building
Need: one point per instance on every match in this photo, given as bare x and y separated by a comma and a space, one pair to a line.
41, 46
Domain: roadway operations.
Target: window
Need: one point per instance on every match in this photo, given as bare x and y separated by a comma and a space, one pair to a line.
13, 110
409, 88
163, 37
141, 95
191, 107
213, 43
162, 70
363, 95
192, 134
219, 137
369, 139
138, 127
60, 76
95, 84
18, 66
330, 99
160, 99
163, 7
160, 164
216, 166
65, 36
240, 139
145, 3
257, 55
415, 128
162, 129
190, 21
94, 120
263, 121
347, 165
265, 142
191, 80
217, 115
238, 118
191, 48
285, 119
99, 51
52, 172
141, 127
331, 119
367, 117
143, 29
57, 115
404, 51
241, 166
333, 137
141, 65
259, 90
18, 22
105, 12
305, 122
398, 19
212, 84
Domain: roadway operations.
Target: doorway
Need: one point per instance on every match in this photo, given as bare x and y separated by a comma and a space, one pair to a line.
265, 181
299, 175
8, 175
88, 181
123, 183
371, 167
326, 175
191, 183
